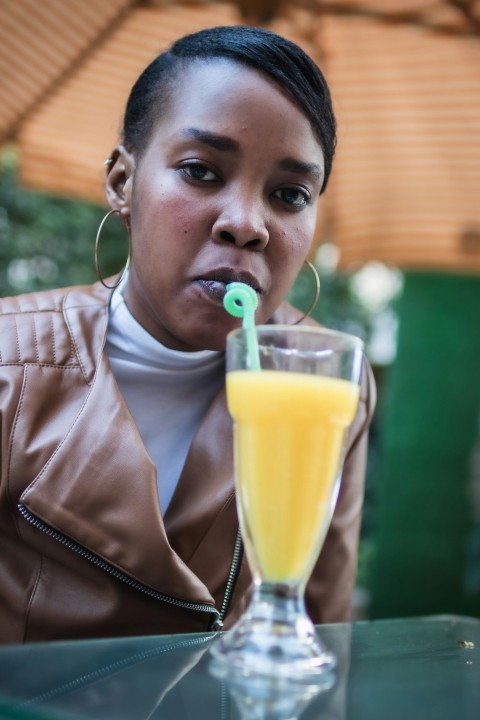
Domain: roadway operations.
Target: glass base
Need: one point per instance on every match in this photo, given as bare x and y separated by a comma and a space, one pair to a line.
275, 638
260, 697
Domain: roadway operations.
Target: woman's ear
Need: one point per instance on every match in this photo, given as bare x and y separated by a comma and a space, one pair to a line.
118, 182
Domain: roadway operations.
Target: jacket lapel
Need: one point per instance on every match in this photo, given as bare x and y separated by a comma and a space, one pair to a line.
99, 486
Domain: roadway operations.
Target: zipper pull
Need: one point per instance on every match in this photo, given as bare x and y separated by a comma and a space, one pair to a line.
217, 624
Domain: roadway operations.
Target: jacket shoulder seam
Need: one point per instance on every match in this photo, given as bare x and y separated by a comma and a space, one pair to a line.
20, 363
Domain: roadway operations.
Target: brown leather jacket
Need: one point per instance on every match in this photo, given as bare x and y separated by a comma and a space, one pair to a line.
84, 551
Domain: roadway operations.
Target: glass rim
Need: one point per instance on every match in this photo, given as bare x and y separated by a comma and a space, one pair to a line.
356, 342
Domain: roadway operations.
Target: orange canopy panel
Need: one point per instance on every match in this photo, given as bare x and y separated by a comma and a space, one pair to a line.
65, 141
406, 182
39, 42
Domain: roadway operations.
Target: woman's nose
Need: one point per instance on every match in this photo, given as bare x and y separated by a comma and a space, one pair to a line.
242, 224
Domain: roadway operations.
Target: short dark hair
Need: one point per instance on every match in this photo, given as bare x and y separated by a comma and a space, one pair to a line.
263, 50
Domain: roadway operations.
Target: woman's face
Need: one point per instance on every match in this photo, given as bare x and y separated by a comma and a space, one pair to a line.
226, 190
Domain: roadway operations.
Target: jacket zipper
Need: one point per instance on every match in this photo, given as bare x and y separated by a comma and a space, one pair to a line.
232, 575
218, 617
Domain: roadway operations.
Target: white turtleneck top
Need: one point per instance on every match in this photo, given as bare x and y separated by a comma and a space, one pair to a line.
167, 391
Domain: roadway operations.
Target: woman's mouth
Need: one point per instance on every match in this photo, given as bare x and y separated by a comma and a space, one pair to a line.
215, 288
215, 284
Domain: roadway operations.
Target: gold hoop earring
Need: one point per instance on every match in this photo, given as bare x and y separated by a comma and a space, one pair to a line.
316, 276
97, 240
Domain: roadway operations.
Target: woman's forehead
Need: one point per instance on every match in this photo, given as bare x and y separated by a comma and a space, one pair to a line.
213, 90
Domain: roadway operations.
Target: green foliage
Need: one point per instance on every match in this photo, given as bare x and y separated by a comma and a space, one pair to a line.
49, 241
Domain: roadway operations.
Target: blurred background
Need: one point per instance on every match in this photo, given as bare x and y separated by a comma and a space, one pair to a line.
397, 245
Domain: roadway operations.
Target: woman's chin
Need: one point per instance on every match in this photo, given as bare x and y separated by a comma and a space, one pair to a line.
205, 336
216, 341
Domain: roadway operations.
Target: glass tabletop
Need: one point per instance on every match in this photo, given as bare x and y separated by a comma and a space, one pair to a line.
411, 668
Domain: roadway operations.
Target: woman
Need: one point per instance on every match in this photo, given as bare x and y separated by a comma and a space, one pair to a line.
117, 509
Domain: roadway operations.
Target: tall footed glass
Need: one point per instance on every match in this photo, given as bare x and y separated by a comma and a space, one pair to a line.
291, 416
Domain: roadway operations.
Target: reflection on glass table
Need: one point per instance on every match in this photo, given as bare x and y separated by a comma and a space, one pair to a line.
426, 668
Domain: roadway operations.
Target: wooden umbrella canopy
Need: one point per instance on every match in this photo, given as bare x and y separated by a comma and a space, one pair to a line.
404, 74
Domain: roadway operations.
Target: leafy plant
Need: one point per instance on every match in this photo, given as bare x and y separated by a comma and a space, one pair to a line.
48, 241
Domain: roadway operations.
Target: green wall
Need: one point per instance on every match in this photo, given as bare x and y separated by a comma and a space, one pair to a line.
426, 536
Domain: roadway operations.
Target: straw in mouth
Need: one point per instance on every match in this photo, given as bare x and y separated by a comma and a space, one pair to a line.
241, 301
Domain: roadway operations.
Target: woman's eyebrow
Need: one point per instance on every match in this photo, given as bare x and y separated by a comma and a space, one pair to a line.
219, 142
225, 143
302, 168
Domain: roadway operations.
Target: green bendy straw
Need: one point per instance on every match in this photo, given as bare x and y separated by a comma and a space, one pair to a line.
241, 301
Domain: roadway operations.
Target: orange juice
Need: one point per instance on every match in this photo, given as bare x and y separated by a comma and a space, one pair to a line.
289, 433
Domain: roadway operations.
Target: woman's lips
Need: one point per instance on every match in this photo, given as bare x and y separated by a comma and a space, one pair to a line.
215, 288
215, 284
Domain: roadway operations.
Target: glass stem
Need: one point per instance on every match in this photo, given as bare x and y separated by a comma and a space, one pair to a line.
282, 607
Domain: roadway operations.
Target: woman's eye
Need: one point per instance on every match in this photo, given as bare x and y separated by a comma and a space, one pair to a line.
198, 171
293, 196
